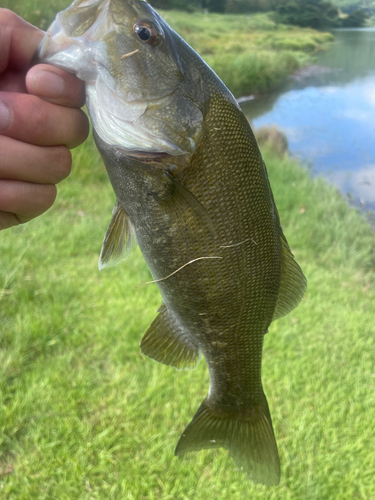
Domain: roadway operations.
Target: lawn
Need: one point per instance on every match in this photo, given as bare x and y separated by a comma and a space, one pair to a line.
83, 415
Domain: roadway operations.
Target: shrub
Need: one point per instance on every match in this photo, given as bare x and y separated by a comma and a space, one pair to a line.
317, 14
253, 72
243, 6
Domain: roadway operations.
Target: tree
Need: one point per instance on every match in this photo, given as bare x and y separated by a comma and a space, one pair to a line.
188, 5
242, 6
216, 5
318, 14
355, 19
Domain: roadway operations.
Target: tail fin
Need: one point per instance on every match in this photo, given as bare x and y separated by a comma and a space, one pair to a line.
250, 440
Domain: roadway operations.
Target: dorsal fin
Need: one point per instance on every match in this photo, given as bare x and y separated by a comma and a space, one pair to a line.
292, 283
292, 280
165, 341
118, 240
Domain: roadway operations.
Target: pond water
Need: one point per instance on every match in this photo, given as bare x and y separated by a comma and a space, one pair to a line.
328, 114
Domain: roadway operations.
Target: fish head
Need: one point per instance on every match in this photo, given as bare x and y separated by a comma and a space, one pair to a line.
138, 90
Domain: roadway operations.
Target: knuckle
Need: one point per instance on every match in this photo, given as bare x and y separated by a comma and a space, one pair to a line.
41, 122
62, 163
7, 17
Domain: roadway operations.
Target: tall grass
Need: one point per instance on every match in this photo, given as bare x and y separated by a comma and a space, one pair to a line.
251, 54
40, 13
265, 69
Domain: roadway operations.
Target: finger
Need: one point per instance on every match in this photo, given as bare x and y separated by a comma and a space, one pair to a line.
8, 220
55, 85
13, 81
35, 121
24, 199
37, 164
18, 41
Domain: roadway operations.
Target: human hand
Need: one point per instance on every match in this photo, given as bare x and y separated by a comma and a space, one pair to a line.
40, 120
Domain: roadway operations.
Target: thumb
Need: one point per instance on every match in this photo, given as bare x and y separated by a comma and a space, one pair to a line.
56, 86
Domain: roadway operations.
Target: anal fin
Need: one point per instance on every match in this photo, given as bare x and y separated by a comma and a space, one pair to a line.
166, 342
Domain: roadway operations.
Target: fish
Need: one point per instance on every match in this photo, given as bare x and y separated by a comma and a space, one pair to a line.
192, 190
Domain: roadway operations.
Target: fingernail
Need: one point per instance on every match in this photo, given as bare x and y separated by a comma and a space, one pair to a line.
48, 84
5, 117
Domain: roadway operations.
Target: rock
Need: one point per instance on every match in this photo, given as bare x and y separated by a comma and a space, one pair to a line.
273, 138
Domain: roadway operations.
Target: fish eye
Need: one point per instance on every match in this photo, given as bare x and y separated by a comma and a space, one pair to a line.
146, 31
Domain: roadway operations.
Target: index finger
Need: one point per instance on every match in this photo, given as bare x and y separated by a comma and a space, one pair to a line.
18, 41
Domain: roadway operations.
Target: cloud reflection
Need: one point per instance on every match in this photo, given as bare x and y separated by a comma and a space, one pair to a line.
333, 128
361, 182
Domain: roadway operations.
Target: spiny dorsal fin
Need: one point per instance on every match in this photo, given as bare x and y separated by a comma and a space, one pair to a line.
249, 439
165, 341
292, 283
118, 240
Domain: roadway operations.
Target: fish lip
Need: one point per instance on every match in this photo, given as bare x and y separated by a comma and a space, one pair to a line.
144, 156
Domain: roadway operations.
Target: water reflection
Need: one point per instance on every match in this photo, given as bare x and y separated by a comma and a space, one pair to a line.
329, 118
363, 179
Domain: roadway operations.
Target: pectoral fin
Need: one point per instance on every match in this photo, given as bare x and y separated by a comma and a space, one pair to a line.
181, 204
165, 341
118, 240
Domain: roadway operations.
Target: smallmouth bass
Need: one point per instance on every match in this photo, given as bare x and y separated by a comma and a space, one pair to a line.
193, 192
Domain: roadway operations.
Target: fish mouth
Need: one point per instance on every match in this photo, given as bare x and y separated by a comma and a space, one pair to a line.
145, 157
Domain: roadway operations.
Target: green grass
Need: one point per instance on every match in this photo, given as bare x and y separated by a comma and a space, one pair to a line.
83, 415
40, 13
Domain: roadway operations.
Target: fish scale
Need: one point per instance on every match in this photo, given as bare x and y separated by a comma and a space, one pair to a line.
192, 190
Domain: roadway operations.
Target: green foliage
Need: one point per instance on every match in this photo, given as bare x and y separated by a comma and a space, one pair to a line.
355, 19
37, 12
317, 14
243, 6
215, 5
351, 5
188, 5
